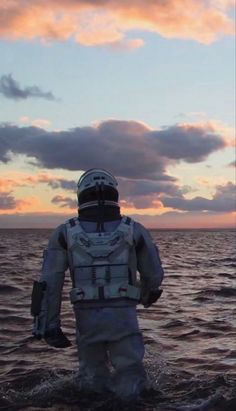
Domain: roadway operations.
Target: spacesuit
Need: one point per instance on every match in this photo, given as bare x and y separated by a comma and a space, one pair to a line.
114, 265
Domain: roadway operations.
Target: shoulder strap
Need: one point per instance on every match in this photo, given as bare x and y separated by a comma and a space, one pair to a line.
127, 220
72, 222
126, 226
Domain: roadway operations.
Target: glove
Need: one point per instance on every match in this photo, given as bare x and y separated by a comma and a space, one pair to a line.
150, 297
56, 338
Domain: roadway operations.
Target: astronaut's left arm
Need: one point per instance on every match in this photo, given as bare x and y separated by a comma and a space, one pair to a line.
55, 263
149, 265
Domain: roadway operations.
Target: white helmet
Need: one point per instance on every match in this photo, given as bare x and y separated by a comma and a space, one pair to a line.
96, 180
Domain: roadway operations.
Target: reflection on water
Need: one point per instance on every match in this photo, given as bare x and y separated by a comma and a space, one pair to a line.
190, 335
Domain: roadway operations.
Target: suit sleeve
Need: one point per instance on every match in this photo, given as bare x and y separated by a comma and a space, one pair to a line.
148, 260
55, 263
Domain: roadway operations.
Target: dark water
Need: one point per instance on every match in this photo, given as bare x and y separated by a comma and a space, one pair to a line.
190, 335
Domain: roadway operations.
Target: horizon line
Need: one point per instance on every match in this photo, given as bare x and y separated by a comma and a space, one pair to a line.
148, 228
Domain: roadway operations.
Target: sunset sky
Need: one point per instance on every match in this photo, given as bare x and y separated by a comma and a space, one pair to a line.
142, 88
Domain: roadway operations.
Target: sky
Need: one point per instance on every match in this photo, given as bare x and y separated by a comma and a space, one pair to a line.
142, 88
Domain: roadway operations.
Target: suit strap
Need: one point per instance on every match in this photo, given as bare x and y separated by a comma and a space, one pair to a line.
72, 222
128, 220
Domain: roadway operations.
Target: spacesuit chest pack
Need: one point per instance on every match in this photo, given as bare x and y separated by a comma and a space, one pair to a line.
101, 263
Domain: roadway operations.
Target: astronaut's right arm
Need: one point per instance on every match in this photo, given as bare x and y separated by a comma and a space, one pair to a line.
47, 292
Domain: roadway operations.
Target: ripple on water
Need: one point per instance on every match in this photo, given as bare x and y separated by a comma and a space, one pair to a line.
9, 288
189, 334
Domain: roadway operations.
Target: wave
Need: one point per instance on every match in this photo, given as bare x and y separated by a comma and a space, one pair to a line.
8, 288
189, 334
59, 390
209, 293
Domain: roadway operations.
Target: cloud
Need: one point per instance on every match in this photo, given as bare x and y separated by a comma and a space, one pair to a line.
139, 194
38, 122
142, 202
126, 148
54, 182
126, 44
10, 181
224, 200
107, 22
69, 185
143, 193
11, 89
8, 184
7, 201
161, 184
65, 202
138, 155
41, 123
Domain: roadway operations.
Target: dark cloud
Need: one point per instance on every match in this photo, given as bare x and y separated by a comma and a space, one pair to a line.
11, 89
161, 183
69, 185
7, 201
127, 148
141, 193
190, 143
137, 155
142, 202
65, 201
224, 200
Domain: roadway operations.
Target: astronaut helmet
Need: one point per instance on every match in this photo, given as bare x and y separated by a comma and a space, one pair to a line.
97, 187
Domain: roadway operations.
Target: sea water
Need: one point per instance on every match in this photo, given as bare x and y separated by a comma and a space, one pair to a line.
189, 334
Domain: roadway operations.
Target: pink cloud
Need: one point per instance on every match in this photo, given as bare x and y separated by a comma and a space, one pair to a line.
106, 22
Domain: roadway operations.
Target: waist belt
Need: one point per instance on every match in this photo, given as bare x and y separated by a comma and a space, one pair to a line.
106, 292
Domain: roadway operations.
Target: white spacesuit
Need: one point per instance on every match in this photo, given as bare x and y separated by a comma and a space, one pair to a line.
104, 253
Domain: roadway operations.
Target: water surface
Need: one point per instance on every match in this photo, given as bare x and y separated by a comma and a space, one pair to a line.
190, 334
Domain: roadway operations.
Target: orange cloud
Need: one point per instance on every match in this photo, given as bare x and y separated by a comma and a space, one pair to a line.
7, 184
106, 22
14, 179
38, 122
16, 189
29, 204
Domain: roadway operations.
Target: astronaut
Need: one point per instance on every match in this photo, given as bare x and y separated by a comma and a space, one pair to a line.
114, 265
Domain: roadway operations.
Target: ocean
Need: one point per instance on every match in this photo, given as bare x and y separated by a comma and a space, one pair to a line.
189, 334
